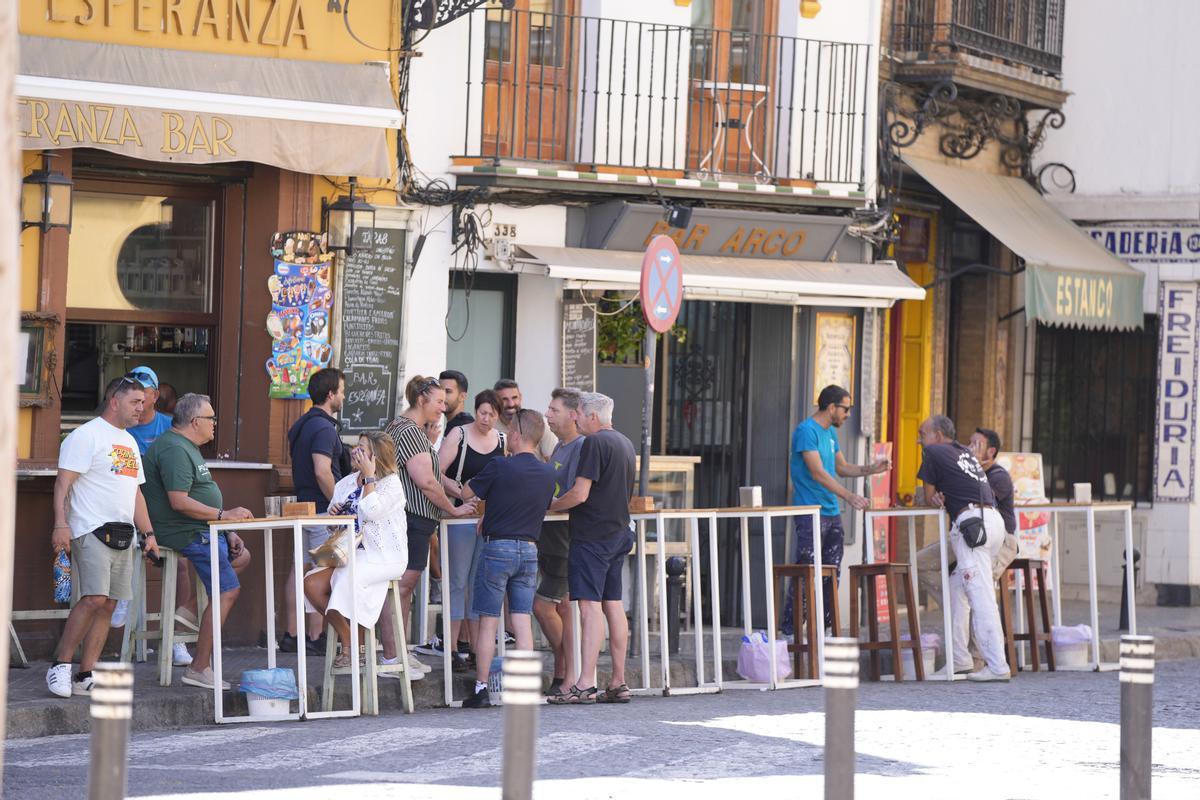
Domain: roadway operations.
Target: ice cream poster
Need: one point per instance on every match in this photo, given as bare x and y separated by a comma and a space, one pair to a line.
301, 303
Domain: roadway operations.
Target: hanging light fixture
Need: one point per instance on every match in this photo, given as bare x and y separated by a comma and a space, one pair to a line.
46, 198
810, 8
348, 222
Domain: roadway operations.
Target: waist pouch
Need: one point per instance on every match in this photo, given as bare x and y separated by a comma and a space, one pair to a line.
973, 531
117, 535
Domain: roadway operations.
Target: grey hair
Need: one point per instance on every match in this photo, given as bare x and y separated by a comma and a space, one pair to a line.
595, 403
943, 425
188, 408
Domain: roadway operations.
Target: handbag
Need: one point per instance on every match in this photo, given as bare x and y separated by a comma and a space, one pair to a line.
333, 551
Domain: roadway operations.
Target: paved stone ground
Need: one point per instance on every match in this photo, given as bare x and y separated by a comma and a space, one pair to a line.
1042, 736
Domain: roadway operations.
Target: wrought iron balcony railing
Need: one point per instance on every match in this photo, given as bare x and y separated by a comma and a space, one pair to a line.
607, 93
1028, 32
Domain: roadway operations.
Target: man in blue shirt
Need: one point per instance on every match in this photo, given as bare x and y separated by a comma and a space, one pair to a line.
152, 423
815, 459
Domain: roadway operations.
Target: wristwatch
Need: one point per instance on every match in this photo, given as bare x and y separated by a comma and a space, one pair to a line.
370, 480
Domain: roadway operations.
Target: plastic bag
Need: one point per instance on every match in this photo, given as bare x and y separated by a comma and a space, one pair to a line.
278, 684
1071, 634
754, 659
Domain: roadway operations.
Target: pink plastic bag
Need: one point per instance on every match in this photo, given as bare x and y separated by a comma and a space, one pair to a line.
754, 659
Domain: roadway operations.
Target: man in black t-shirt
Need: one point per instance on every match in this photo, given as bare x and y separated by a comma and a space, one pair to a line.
316, 450
985, 444
517, 491
955, 479
455, 384
601, 538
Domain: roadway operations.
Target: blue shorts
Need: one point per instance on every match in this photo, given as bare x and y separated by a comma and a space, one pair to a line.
506, 567
199, 554
594, 567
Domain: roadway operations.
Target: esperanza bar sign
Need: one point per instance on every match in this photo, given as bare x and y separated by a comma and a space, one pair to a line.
1175, 442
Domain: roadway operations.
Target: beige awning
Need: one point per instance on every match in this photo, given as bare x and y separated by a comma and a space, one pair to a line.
760, 280
1070, 279
196, 108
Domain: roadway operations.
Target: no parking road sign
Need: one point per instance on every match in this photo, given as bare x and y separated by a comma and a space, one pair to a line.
662, 283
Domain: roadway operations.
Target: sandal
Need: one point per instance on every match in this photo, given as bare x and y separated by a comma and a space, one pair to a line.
575, 696
615, 694
342, 661
556, 688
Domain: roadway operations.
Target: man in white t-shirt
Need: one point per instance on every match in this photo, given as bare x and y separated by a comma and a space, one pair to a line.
97, 503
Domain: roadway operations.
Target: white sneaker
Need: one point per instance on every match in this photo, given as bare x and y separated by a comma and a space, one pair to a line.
415, 665
120, 614
83, 687
202, 679
414, 674
58, 680
986, 675
958, 670
180, 657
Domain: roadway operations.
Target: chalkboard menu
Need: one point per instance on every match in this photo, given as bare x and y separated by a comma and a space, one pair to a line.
372, 294
578, 343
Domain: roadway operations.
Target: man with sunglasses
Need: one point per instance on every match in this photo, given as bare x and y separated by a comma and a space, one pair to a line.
97, 503
816, 458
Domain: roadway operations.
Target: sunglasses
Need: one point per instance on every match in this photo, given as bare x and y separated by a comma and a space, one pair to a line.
845, 408
427, 384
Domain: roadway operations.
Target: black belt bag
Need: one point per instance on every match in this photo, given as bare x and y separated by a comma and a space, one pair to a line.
117, 535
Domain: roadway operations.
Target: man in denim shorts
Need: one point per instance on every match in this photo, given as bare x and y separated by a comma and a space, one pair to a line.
182, 498
517, 491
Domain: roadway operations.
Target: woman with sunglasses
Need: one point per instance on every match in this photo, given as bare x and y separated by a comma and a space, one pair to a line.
372, 493
420, 474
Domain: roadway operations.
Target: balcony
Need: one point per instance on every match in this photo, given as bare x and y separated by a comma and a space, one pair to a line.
1005, 46
597, 95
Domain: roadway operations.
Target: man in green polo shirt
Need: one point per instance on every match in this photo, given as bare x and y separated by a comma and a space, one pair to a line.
183, 498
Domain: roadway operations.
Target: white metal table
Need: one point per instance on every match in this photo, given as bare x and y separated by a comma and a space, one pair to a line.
267, 526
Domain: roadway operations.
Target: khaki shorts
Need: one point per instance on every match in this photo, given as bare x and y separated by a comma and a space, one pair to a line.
101, 571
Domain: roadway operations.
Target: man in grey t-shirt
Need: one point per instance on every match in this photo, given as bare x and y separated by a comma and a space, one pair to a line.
551, 604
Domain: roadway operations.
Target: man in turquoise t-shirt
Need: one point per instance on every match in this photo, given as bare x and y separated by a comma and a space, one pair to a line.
815, 459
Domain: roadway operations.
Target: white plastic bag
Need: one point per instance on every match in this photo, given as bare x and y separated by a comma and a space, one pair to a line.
754, 659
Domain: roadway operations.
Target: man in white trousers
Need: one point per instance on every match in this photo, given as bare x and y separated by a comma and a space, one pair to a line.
954, 478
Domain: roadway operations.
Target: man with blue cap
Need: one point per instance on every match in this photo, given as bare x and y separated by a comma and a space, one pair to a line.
152, 423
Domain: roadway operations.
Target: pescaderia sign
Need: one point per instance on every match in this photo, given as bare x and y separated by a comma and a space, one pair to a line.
1175, 440
199, 138
1149, 243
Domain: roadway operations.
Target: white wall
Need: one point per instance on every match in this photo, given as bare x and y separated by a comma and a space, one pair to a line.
1133, 115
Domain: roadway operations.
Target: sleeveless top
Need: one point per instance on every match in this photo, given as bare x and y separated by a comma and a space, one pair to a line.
468, 462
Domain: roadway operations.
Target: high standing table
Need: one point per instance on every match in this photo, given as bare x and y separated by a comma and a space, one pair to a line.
1089, 510
943, 530
268, 525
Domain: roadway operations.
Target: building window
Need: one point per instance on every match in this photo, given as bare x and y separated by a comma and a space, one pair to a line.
481, 328
1094, 410
136, 252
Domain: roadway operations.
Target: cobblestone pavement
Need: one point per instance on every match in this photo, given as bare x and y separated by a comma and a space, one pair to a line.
1041, 736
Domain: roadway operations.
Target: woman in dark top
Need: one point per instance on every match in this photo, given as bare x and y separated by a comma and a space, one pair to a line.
465, 451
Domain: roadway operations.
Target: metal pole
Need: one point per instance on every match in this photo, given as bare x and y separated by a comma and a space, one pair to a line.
841, 695
1137, 706
649, 356
522, 695
112, 705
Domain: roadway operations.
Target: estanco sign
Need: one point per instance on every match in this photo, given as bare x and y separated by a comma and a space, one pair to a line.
1175, 443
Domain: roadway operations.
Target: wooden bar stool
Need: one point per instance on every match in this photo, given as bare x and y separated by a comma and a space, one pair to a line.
371, 669
137, 631
1028, 567
803, 582
894, 575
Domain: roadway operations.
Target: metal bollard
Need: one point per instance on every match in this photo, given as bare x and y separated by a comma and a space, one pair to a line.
841, 695
1137, 707
522, 696
1123, 625
112, 706
674, 568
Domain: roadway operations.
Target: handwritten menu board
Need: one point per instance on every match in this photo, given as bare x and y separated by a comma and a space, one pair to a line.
301, 299
578, 344
834, 345
372, 303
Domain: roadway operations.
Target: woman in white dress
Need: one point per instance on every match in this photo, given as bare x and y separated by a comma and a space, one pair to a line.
373, 494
